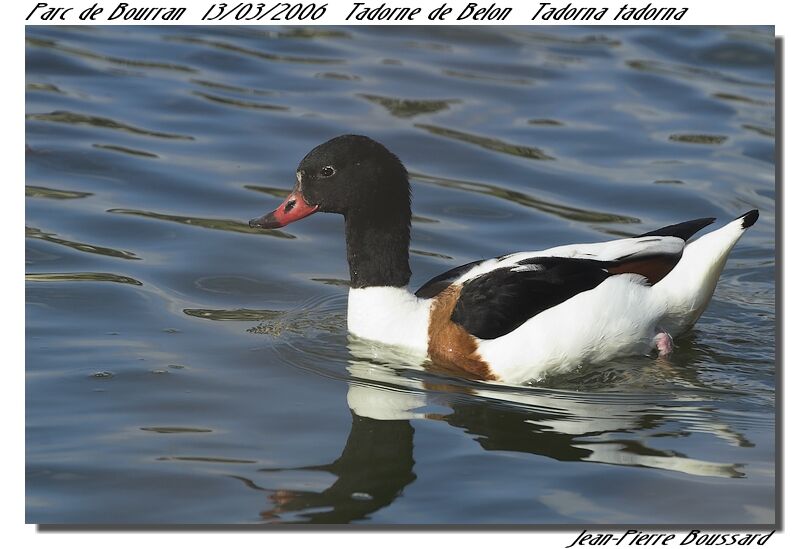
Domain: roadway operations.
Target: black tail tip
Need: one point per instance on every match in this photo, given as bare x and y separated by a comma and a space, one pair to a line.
749, 219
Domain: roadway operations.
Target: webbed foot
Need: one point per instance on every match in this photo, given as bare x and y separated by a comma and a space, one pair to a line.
663, 342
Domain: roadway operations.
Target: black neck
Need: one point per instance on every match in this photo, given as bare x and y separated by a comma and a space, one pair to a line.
377, 248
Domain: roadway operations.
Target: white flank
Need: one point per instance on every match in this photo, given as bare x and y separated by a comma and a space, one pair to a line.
389, 315
618, 317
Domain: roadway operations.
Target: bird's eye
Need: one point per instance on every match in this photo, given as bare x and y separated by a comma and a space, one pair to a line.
327, 171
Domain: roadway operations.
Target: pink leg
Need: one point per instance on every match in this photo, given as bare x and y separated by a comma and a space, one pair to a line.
663, 342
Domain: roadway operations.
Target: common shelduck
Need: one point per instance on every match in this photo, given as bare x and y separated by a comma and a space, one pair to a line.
512, 318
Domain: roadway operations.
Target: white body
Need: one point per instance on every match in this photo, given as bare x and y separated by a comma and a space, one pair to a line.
619, 317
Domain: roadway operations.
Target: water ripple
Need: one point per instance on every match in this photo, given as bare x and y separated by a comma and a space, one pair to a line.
408, 108
50, 44
124, 150
81, 277
691, 73
33, 232
227, 46
239, 103
35, 191
489, 143
524, 199
205, 222
78, 119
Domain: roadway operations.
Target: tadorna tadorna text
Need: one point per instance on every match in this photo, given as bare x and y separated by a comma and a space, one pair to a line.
512, 318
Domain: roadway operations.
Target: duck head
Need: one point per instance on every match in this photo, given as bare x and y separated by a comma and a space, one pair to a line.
351, 175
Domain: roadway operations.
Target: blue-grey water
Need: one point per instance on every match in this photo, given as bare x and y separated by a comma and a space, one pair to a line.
183, 368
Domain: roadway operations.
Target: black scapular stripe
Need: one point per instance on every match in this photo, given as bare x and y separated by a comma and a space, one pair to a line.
500, 301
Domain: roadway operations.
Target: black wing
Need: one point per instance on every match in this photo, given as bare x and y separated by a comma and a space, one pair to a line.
500, 301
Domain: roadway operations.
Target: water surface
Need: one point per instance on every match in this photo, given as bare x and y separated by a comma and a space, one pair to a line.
183, 368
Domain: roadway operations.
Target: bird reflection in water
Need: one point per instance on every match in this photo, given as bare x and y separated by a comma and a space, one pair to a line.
375, 466
377, 462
